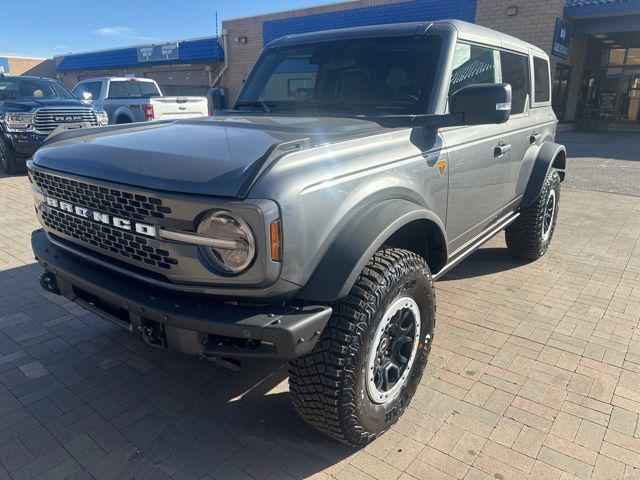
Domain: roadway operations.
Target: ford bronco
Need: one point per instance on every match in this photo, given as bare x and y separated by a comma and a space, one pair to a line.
309, 221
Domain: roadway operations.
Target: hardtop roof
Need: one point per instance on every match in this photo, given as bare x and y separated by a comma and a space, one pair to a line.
465, 31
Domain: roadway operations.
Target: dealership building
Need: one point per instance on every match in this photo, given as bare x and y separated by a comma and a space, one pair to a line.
594, 47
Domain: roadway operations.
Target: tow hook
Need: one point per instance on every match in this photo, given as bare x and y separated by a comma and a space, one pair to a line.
153, 334
49, 283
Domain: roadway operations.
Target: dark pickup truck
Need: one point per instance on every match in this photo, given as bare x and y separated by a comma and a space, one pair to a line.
30, 109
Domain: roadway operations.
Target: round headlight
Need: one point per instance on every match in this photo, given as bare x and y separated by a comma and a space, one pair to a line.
236, 248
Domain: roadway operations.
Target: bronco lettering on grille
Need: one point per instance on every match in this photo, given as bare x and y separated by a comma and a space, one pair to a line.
100, 217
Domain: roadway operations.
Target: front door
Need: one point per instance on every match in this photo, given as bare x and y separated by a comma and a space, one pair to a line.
478, 155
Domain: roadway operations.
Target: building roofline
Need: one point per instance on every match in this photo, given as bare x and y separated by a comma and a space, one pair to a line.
208, 37
25, 57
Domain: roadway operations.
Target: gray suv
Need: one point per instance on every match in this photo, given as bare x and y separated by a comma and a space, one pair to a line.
309, 222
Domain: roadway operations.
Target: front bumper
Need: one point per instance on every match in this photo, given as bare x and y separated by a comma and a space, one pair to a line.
192, 324
24, 144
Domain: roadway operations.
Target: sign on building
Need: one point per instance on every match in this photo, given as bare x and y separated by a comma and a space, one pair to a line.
561, 39
158, 52
4, 65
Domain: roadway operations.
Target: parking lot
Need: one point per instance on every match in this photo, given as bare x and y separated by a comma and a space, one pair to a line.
535, 370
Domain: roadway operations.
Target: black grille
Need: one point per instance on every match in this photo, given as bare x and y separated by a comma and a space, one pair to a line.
103, 199
109, 239
47, 119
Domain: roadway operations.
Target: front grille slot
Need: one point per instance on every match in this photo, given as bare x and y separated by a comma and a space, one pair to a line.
104, 237
47, 119
106, 200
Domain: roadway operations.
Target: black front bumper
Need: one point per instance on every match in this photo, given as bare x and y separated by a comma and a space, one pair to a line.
24, 144
193, 324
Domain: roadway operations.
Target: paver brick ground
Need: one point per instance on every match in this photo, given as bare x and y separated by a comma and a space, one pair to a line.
535, 374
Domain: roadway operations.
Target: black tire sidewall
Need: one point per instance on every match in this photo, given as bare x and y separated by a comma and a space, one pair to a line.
552, 183
9, 164
378, 417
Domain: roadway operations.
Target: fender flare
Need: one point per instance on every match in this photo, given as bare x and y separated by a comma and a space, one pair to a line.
547, 155
123, 111
356, 243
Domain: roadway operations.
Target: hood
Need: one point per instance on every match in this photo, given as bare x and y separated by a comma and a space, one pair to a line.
212, 156
28, 105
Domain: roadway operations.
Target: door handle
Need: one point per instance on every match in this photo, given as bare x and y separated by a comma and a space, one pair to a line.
535, 138
501, 149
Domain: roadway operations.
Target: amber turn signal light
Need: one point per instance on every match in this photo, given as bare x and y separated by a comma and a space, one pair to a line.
276, 241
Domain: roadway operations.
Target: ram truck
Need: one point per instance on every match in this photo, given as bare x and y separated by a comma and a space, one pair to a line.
31, 108
128, 100
309, 222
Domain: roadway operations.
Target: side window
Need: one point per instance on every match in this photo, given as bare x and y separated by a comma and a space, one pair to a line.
80, 89
541, 80
472, 64
94, 88
515, 72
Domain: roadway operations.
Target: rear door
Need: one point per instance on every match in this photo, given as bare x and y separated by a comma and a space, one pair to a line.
478, 155
521, 125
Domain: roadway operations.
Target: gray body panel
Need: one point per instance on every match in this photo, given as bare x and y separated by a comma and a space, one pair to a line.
343, 169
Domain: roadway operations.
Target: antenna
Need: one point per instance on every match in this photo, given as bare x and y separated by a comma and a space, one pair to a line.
216, 24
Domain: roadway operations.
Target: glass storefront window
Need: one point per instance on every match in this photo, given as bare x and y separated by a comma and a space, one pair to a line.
633, 56
612, 57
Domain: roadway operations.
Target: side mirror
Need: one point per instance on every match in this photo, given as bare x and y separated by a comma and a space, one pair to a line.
217, 99
87, 96
482, 104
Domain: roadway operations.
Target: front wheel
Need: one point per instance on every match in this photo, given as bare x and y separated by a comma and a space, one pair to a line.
530, 235
8, 162
368, 362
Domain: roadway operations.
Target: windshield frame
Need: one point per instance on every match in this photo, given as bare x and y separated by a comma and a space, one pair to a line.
431, 103
57, 86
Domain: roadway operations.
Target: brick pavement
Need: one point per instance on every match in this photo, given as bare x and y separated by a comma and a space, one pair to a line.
535, 374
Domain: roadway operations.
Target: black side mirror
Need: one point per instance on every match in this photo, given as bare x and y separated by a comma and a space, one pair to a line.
481, 104
217, 99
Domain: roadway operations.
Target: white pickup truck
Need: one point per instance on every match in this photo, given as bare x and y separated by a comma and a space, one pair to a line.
128, 100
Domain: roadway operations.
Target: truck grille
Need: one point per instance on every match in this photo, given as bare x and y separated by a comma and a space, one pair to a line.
103, 199
104, 237
127, 245
47, 119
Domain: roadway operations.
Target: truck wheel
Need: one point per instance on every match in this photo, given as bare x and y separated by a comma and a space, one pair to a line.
530, 235
369, 359
8, 161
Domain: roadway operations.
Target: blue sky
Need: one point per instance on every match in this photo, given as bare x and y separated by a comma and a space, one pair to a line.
43, 29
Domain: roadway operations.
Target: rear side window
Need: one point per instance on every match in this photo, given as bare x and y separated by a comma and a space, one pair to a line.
132, 89
515, 72
472, 64
541, 79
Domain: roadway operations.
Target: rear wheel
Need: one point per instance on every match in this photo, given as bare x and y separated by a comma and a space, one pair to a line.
8, 162
530, 235
366, 366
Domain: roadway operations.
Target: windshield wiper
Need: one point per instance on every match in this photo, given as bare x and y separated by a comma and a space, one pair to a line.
255, 103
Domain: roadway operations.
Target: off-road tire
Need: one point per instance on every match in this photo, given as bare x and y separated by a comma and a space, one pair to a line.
8, 162
524, 236
328, 386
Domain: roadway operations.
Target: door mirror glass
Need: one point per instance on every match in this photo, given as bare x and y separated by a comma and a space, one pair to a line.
481, 104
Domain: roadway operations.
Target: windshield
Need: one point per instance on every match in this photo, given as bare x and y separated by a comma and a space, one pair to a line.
16, 88
132, 89
365, 76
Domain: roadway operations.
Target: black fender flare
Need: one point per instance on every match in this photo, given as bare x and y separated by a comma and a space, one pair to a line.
356, 243
547, 155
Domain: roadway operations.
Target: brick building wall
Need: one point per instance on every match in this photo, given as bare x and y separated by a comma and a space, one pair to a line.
39, 67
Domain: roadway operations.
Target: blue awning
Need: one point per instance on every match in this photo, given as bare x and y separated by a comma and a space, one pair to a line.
203, 50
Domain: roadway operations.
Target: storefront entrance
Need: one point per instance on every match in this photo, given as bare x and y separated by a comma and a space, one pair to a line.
610, 90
